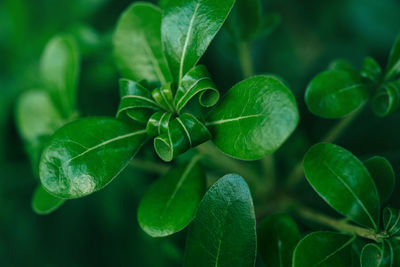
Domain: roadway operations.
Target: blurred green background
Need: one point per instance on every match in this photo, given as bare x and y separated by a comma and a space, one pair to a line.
101, 230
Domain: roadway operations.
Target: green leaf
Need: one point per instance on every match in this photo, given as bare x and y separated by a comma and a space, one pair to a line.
85, 155
223, 232
382, 172
391, 221
188, 27
393, 66
341, 64
335, 93
387, 99
37, 119
60, 70
382, 255
43, 203
137, 44
343, 182
254, 118
371, 70
277, 237
325, 249
171, 202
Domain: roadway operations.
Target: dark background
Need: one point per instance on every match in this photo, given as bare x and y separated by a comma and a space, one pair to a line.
102, 230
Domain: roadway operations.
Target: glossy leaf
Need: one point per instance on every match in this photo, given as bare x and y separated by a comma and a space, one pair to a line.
326, 249
343, 182
84, 156
335, 93
171, 202
43, 203
60, 69
379, 255
196, 82
223, 232
277, 237
137, 44
387, 100
254, 118
393, 66
391, 221
371, 70
382, 172
188, 27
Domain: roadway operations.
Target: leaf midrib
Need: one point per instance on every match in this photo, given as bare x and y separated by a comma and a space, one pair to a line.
352, 193
336, 251
232, 119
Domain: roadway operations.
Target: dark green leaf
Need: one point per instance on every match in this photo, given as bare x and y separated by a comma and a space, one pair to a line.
137, 44
341, 64
343, 182
43, 203
223, 232
245, 19
188, 27
335, 93
391, 221
382, 255
254, 118
171, 202
85, 155
387, 100
60, 70
393, 66
325, 249
277, 237
382, 172
371, 70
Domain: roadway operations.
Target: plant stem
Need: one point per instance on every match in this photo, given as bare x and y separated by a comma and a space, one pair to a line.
245, 59
340, 225
297, 174
149, 166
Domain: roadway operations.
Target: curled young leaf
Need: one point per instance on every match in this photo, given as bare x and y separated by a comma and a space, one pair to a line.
196, 81
393, 66
326, 249
343, 182
137, 44
277, 237
43, 203
136, 102
387, 100
391, 221
379, 255
183, 132
223, 233
371, 70
382, 172
335, 93
254, 118
188, 27
59, 68
171, 202
85, 155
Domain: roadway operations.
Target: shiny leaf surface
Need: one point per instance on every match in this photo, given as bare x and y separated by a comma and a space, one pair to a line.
335, 93
223, 232
137, 44
188, 27
43, 203
171, 202
379, 255
59, 68
254, 118
343, 182
85, 155
277, 237
382, 172
325, 249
